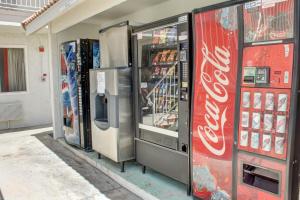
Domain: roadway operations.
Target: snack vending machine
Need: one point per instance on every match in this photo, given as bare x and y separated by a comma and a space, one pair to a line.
244, 94
162, 69
77, 57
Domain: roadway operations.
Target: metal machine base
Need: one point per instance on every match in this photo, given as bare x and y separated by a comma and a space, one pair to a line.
89, 149
166, 161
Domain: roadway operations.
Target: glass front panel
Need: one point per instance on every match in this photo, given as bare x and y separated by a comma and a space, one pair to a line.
158, 70
268, 20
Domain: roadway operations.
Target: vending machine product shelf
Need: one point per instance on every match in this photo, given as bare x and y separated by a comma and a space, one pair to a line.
162, 69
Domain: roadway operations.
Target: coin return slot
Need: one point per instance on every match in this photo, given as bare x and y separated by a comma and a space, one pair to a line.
261, 178
184, 148
249, 79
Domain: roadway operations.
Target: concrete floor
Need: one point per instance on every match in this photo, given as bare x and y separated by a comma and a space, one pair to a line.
34, 166
1, 197
151, 185
31, 171
102, 182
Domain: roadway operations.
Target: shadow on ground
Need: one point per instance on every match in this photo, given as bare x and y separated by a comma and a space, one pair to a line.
102, 182
1, 196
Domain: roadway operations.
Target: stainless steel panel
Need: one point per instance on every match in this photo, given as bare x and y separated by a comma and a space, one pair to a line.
166, 161
114, 47
116, 140
160, 139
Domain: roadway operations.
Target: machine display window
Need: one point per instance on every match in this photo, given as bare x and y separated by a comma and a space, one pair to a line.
158, 76
268, 20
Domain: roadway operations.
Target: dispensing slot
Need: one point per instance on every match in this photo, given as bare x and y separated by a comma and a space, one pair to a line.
261, 178
101, 115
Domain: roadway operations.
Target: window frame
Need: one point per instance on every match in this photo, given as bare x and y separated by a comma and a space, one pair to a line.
24, 47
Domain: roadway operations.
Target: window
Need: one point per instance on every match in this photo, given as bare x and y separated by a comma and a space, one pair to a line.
12, 70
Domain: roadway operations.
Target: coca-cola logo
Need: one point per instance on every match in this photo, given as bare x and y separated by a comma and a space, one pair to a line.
214, 80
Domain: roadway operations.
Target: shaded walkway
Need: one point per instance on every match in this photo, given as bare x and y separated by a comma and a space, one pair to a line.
103, 183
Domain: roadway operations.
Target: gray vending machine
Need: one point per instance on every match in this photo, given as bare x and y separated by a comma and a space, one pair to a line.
162, 76
111, 97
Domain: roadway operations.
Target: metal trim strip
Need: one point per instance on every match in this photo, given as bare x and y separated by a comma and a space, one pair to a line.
159, 130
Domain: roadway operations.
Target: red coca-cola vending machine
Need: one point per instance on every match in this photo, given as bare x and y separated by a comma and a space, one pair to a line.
244, 93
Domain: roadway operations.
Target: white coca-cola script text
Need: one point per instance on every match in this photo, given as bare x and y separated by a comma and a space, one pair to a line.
214, 83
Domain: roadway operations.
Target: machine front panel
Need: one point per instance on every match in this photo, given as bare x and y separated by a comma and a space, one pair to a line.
69, 75
266, 101
260, 178
215, 76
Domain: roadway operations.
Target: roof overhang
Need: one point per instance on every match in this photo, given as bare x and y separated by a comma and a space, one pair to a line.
56, 10
65, 13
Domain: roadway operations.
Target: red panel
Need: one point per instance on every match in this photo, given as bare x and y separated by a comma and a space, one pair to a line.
267, 134
5, 71
278, 57
216, 37
63, 64
247, 192
268, 20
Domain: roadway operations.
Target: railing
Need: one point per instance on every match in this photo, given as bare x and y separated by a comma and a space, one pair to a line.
23, 5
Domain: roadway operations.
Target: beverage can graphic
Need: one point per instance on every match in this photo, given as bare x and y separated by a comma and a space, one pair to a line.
257, 100
281, 124
282, 102
266, 142
279, 144
244, 138
246, 100
254, 140
269, 103
245, 119
256, 120
268, 122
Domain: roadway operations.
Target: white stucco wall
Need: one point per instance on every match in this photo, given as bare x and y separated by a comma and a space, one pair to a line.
81, 30
160, 11
10, 15
36, 101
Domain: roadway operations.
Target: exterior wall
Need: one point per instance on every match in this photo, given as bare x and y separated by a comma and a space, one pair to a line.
166, 9
159, 11
9, 15
36, 101
77, 31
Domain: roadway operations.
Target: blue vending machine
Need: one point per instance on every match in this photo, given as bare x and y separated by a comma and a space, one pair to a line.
77, 58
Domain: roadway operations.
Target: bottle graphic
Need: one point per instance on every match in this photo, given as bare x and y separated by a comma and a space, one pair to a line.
257, 100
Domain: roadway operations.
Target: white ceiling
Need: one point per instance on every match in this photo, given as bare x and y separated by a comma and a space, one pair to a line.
121, 10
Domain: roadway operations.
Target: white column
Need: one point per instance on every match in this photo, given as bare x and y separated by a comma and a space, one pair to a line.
55, 88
